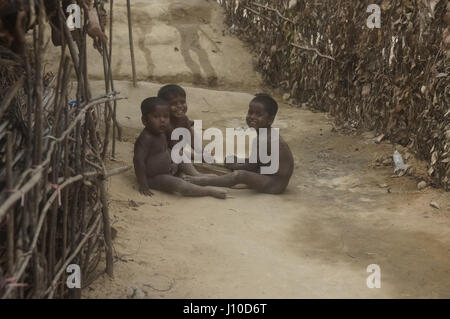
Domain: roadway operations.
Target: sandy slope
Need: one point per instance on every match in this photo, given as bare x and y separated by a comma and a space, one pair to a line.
174, 41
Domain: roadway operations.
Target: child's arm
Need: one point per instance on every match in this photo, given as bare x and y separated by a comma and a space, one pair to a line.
140, 154
195, 150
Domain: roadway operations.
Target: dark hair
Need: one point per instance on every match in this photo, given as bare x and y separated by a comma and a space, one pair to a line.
270, 105
170, 91
149, 104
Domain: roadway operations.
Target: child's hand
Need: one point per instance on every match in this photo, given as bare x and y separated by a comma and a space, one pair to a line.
145, 191
94, 28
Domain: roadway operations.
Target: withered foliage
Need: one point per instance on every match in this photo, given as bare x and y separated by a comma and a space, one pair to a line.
394, 79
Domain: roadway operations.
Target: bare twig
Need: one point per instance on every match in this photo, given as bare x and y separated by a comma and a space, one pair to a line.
10, 220
312, 49
71, 257
274, 10
50, 201
56, 164
11, 94
106, 230
130, 34
261, 15
37, 172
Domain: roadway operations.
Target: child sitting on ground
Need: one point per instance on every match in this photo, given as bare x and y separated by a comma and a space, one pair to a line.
175, 95
261, 114
153, 165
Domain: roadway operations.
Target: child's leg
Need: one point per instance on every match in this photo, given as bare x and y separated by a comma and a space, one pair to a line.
262, 183
189, 169
170, 184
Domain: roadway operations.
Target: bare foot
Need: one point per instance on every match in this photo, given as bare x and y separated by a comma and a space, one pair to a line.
217, 193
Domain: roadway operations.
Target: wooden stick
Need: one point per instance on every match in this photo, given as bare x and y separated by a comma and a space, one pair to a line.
63, 74
64, 142
39, 82
274, 10
33, 204
11, 94
313, 49
262, 16
37, 172
88, 253
130, 35
116, 123
82, 210
65, 192
58, 82
106, 230
111, 18
50, 201
107, 110
62, 96
71, 257
70, 43
53, 220
10, 219
34, 198
29, 84
9, 62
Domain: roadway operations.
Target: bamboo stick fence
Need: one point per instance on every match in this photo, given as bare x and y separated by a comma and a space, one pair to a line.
53, 199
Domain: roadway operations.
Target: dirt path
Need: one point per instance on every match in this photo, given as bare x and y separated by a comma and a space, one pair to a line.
316, 240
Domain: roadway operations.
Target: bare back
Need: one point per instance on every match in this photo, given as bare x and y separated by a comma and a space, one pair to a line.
286, 160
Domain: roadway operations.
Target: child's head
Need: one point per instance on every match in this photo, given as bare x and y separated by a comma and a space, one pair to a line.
175, 95
261, 111
155, 114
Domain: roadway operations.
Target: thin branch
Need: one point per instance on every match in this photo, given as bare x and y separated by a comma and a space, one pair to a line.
38, 170
11, 94
312, 49
262, 16
50, 201
72, 256
274, 10
130, 35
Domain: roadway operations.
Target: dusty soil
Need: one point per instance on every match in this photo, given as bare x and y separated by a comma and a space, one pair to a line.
174, 41
339, 214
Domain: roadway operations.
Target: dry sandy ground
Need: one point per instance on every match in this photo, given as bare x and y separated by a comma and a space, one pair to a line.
316, 240
174, 41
